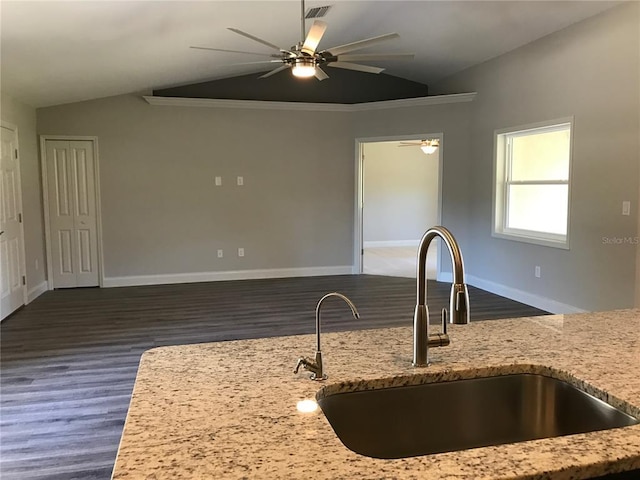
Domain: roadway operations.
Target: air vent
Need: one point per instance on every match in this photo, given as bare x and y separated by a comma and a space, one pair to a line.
317, 12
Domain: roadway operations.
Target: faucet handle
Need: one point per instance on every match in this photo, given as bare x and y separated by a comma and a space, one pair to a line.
440, 339
301, 362
314, 367
445, 320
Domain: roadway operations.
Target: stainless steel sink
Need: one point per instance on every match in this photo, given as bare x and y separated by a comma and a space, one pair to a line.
456, 415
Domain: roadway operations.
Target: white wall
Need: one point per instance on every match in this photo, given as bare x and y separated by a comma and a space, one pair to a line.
162, 213
24, 117
589, 71
400, 192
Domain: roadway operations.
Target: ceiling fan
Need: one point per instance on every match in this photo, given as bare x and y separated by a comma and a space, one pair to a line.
305, 60
427, 146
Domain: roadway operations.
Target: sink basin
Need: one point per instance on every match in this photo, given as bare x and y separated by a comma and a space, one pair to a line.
441, 417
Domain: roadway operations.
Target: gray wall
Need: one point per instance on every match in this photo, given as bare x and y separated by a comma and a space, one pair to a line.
400, 192
589, 71
453, 121
162, 214
638, 249
24, 117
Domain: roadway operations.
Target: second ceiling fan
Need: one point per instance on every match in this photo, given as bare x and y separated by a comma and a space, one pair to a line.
427, 146
305, 60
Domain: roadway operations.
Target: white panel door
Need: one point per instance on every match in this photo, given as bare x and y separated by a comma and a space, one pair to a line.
85, 215
72, 213
11, 238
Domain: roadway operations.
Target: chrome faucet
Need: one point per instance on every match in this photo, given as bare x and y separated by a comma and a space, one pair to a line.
458, 303
315, 366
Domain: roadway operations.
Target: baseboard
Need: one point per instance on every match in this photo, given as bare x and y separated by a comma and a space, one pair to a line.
391, 243
136, 280
444, 277
36, 291
527, 298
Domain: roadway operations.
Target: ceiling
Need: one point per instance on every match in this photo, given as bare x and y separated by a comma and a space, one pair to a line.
56, 52
344, 87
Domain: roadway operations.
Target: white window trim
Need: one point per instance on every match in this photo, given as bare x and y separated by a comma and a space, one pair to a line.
500, 185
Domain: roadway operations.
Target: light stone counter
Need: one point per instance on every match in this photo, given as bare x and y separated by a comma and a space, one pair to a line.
228, 410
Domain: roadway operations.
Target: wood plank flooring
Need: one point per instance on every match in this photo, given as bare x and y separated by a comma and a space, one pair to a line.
69, 359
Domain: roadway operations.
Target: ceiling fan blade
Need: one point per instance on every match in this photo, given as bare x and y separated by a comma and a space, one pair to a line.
321, 74
358, 57
423, 143
256, 63
277, 70
256, 39
355, 66
313, 37
350, 47
274, 55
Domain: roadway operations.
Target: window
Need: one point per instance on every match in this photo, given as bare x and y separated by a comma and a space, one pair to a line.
532, 183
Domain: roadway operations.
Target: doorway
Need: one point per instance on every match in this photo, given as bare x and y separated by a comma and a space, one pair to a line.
398, 199
12, 260
72, 211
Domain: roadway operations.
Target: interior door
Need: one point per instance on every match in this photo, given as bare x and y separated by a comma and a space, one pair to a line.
11, 239
72, 213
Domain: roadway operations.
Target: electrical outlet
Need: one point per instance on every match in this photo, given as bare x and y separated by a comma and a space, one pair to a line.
241, 252
537, 271
218, 181
240, 181
220, 253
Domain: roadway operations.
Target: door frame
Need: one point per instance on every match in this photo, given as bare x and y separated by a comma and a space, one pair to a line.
358, 242
22, 253
45, 198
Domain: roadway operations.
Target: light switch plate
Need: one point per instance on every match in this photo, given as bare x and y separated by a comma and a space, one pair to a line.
218, 181
626, 207
240, 181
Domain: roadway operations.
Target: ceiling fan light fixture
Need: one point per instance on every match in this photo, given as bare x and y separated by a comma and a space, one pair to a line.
305, 60
304, 67
429, 149
429, 146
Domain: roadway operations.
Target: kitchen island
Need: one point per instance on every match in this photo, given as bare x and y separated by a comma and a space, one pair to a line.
228, 409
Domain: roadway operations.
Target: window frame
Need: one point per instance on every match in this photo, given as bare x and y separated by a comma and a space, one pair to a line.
502, 181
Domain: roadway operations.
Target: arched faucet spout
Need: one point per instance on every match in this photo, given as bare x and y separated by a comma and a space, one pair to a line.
315, 365
354, 312
458, 301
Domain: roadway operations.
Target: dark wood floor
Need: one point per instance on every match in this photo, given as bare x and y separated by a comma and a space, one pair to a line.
69, 359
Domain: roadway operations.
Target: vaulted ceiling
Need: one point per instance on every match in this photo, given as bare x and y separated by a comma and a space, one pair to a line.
56, 52
343, 86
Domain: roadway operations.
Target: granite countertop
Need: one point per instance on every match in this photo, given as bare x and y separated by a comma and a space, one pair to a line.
228, 409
